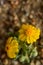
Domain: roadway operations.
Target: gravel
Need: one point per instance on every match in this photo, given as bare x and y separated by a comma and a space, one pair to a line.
13, 13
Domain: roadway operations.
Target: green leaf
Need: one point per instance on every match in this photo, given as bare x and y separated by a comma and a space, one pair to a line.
34, 53
22, 58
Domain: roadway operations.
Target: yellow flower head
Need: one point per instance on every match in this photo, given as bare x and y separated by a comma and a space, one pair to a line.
29, 33
11, 47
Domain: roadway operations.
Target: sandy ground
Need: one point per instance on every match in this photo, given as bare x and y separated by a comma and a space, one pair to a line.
13, 13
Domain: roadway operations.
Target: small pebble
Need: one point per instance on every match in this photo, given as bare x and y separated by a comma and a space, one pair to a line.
32, 63
3, 56
42, 53
16, 62
31, 16
38, 63
5, 61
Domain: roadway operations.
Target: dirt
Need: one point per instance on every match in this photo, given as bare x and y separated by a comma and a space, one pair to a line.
13, 13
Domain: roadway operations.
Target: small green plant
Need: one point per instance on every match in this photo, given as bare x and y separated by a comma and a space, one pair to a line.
22, 46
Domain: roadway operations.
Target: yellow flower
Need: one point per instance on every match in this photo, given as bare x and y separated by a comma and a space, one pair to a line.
29, 33
11, 47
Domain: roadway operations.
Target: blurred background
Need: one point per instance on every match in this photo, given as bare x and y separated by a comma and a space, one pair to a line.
13, 13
